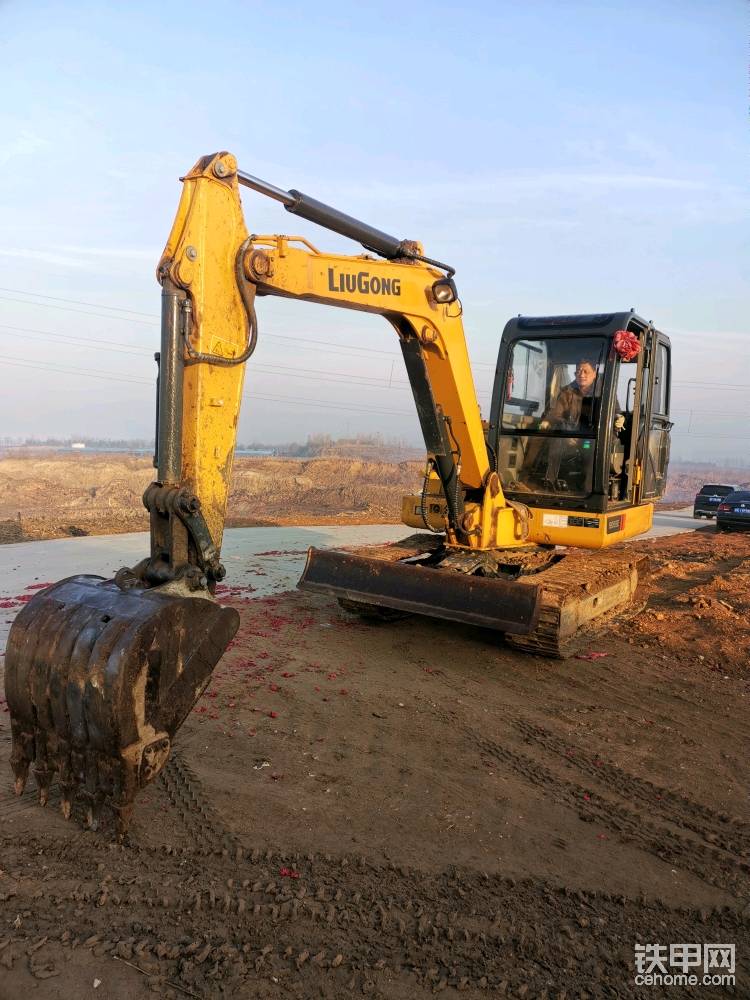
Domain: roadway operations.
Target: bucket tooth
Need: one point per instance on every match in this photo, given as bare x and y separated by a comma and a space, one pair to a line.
123, 816
95, 813
21, 756
43, 781
65, 777
91, 781
98, 681
43, 767
66, 800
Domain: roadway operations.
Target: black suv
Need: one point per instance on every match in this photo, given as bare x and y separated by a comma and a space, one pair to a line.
734, 512
708, 500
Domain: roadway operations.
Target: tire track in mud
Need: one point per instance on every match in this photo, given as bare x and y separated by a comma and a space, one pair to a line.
612, 693
202, 823
706, 862
716, 828
723, 860
217, 920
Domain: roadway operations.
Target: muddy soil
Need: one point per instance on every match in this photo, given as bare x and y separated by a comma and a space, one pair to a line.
414, 808
56, 496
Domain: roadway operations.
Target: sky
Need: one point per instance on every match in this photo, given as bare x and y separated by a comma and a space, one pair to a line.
586, 156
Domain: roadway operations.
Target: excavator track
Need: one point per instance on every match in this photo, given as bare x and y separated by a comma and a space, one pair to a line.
580, 597
576, 595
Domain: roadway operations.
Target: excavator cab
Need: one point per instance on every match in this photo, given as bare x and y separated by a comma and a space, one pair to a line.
576, 422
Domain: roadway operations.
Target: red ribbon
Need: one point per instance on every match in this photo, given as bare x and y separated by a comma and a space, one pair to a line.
627, 345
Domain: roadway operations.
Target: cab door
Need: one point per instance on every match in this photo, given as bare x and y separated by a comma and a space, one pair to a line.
656, 456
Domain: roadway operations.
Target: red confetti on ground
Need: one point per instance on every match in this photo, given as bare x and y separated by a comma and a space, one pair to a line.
591, 656
24, 598
332, 677
38, 586
288, 873
343, 691
587, 796
273, 715
7, 604
274, 687
601, 836
287, 674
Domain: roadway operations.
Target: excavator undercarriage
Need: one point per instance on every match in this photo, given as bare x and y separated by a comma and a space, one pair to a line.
543, 601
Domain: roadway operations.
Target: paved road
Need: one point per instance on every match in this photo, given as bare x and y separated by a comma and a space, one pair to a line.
671, 522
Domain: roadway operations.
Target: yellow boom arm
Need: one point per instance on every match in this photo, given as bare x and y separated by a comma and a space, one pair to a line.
215, 270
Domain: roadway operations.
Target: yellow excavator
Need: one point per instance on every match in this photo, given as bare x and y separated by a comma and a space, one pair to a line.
100, 673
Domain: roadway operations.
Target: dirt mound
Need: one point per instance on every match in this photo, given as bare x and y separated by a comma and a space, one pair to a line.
52, 496
698, 600
686, 479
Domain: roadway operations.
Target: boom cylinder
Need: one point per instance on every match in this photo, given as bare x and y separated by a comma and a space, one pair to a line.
169, 441
331, 218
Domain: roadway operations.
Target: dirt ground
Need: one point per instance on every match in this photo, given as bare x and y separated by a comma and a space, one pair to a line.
415, 808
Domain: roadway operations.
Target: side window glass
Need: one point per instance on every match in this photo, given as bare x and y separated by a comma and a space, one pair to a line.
661, 381
626, 376
525, 390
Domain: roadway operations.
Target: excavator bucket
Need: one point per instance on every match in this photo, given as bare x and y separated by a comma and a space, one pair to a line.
424, 590
98, 680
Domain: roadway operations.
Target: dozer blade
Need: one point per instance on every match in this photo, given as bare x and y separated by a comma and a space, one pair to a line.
424, 590
98, 680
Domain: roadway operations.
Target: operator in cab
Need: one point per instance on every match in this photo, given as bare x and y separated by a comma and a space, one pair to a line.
574, 406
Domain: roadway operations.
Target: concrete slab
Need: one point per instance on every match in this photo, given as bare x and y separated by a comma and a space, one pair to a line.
268, 560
